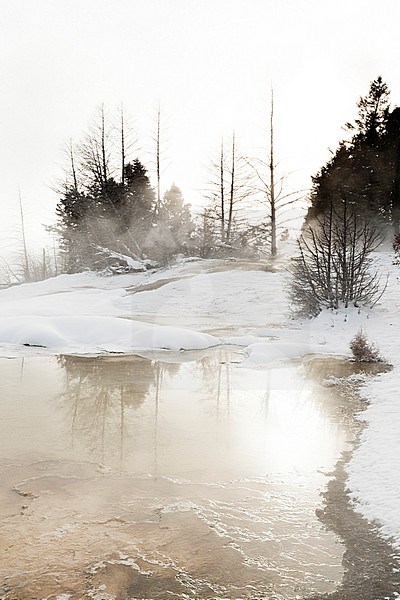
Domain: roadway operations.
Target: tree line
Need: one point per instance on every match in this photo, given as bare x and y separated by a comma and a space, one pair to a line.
355, 206
365, 168
108, 207
109, 210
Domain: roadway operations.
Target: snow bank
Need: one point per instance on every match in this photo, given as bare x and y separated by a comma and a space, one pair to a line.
374, 471
237, 297
265, 354
94, 334
73, 311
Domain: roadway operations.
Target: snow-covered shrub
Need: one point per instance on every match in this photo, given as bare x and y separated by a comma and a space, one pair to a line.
396, 248
363, 350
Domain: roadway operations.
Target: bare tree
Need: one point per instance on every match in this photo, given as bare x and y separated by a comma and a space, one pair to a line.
222, 190
333, 267
26, 270
158, 158
8, 274
159, 162
127, 138
272, 179
71, 157
231, 189
227, 191
270, 187
95, 151
123, 150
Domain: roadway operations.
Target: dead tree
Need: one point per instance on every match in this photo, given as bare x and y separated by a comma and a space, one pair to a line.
25, 262
227, 191
159, 154
95, 151
158, 158
269, 187
222, 190
123, 150
231, 189
272, 179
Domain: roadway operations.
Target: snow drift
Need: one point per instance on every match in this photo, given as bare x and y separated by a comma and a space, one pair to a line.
94, 334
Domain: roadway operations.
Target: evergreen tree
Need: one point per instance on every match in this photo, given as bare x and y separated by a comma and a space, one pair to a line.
74, 212
114, 215
173, 225
373, 111
362, 168
392, 155
139, 197
174, 214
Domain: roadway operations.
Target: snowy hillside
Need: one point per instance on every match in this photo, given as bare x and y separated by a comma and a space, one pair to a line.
93, 313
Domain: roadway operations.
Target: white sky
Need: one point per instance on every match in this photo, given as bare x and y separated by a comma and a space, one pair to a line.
209, 62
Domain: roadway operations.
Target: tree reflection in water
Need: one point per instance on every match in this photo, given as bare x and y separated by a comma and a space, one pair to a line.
103, 394
129, 412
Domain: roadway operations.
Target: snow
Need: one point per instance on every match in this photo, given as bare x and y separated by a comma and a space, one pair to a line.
91, 313
374, 471
98, 334
267, 354
131, 263
236, 297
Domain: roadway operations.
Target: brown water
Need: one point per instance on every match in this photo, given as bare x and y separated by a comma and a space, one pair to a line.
128, 478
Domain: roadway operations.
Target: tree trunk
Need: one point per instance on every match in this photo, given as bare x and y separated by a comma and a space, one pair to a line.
103, 147
73, 170
44, 270
222, 192
272, 180
25, 250
122, 147
232, 191
158, 160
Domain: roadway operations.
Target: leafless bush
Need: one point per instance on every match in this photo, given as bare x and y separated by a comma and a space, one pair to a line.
333, 267
29, 267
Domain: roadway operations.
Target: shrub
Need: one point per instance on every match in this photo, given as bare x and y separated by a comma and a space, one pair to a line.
396, 248
363, 350
333, 265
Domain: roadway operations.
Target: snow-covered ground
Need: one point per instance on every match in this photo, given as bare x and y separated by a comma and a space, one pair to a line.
94, 313
223, 302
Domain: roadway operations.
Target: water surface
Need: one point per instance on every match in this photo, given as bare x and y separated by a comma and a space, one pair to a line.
130, 477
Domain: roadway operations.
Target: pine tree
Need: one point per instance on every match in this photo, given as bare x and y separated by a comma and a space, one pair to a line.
373, 110
359, 167
392, 155
173, 225
139, 197
114, 215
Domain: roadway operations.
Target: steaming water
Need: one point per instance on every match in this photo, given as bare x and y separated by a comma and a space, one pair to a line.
128, 478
